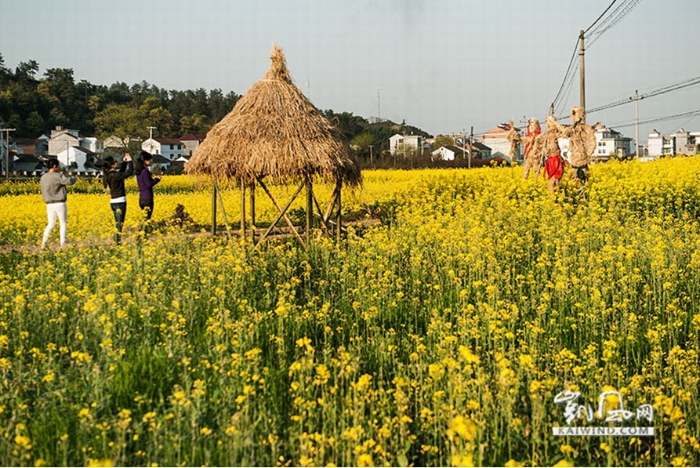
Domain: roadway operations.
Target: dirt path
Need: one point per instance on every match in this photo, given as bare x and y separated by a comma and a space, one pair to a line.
132, 236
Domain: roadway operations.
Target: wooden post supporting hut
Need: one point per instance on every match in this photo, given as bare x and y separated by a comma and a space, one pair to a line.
275, 134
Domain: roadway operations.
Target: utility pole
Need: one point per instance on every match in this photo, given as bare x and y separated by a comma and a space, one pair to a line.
379, 108
464, 146
471, 142
581, 53
8, 160
150, 137
370, 153
636, 99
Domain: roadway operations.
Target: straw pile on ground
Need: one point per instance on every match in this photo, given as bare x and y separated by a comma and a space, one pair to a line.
274, 131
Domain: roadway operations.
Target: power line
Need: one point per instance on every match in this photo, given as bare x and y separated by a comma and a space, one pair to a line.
656, 92
568, 76
615, 17
615, 13
659, 119
601, 15
559, 107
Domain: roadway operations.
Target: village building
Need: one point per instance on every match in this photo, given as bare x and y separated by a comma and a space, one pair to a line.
191, 142
79, 159
32, 146
611, 144
405, 144
452, 152
679, 142
169, 148
61, 139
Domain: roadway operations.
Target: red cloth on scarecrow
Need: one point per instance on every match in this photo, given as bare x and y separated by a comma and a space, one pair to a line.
554, 166
528, 145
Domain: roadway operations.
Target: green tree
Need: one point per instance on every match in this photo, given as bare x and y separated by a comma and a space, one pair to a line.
442, 140
58, 90
4, 71
362, 142
349, 125
197, 123
121, 121
219, 106
34, 124
27, 70
160, 118
118, 93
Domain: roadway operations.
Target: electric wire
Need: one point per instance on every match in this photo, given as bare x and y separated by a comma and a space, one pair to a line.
627, 8
663, 90
693, 113
568, 77
601, 15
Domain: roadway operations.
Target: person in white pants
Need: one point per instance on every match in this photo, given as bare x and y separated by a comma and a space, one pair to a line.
53, 190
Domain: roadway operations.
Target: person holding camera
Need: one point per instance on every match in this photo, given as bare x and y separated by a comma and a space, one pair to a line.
53, 190
146, 182
113, 179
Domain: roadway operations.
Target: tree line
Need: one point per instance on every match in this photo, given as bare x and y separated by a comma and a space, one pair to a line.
34, 105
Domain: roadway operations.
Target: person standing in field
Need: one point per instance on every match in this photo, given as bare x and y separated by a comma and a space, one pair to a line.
114, 177
146, 183
53, 190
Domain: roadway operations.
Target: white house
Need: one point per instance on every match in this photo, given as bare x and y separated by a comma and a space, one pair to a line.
78, 158
450, 152
405, 144
685, 142
611, 144
167, 147
446, 153
191, 142
680, 142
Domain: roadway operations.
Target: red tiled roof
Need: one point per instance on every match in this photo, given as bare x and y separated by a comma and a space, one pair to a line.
496, 131
193, 136
168, 141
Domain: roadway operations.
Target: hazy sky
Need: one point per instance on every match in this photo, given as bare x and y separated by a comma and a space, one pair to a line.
442, 65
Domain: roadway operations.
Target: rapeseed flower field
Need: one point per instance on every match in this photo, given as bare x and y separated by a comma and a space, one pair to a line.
449, 334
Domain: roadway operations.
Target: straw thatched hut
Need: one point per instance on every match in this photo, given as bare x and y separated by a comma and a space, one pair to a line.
275, 132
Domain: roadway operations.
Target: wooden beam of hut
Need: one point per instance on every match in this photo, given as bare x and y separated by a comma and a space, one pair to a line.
283, 212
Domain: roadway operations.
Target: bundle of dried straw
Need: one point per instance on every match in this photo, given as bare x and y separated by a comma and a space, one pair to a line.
274, 131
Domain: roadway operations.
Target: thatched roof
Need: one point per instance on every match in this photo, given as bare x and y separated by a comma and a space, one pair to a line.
275, 131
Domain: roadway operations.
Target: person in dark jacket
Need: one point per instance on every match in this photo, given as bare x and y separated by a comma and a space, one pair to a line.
114, 177
146, 183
